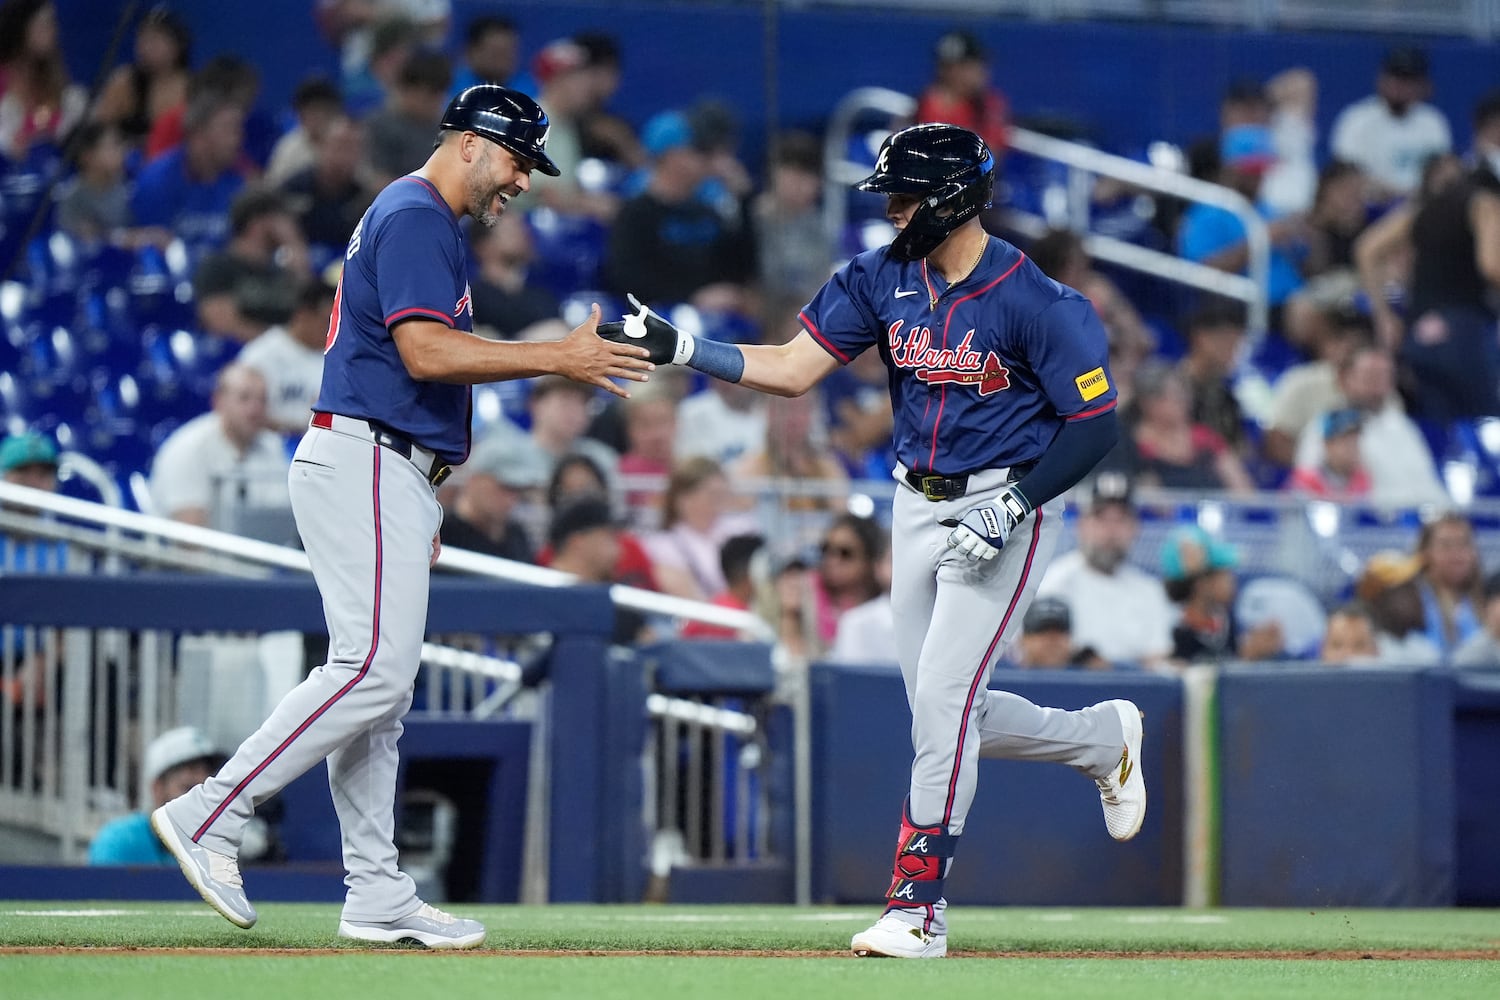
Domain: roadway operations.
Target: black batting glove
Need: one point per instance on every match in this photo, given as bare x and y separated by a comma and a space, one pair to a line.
643, 328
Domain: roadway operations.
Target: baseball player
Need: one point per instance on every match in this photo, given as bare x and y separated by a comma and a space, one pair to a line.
391, 419
1002, 401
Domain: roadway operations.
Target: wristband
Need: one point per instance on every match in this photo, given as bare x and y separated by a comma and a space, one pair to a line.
722, 361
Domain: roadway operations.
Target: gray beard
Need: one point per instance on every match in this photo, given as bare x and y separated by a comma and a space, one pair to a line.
1104, 561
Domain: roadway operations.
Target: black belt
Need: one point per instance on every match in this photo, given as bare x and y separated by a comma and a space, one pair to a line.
935, 486
425, 462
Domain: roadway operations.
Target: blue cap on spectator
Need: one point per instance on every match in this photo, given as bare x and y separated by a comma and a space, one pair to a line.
1190, 550
1248, 148
665, 132
1337, 422
26, 449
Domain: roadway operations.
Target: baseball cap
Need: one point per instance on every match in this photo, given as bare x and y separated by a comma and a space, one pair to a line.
578, 515
1047, 614
1189, 550
666, 131
511, 459
560, 56
18, 450
957, 47
1247, 147
1385, 570
176, 747
1343, 421
1406, 61
1112, 488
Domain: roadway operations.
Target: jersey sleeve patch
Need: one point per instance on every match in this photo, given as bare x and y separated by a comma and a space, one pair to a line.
1092, 384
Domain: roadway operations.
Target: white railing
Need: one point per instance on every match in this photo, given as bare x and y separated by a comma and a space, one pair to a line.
1084, 163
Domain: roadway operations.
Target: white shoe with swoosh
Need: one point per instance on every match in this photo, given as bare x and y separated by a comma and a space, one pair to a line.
1123, 790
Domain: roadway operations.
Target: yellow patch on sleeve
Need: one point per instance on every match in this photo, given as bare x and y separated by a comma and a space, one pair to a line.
1092, 384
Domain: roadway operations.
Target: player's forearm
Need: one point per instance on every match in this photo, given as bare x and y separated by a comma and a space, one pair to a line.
1075, 451
453, 356
773, 368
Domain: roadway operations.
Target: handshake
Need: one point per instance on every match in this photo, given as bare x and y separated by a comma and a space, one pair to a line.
644, 328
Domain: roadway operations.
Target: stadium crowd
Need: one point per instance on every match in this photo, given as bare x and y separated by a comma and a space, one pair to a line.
188, 206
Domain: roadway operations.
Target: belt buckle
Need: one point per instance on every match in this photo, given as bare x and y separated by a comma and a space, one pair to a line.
440, 472
934, 488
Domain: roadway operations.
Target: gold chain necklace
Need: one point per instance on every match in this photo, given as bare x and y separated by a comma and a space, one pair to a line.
932, 297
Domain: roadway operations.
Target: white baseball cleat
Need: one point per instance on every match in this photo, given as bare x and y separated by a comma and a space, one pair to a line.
216, 876
1123, 790
428, 926
892, 937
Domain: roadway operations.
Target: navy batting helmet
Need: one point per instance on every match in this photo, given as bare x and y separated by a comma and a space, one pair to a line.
949, 168
505, 116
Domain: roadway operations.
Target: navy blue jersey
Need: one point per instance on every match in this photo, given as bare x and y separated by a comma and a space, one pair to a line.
405, 261
982, 376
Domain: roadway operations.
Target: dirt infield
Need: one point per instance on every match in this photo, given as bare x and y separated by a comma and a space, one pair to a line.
1386, 955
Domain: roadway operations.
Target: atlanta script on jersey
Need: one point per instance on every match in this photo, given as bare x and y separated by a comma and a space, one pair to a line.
983, 374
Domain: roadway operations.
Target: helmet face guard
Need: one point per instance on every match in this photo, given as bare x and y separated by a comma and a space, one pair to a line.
506, 117
949, 168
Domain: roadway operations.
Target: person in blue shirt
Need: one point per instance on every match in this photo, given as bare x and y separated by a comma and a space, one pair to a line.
175, 761
492, 54
189, 189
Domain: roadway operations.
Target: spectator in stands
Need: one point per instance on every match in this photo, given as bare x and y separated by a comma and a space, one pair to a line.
399, 135
496, 480
795, 448
585, 541
650, 416
93, 206
722, 422
961, 94
736, 559
793, 251
666, 245
189, 188
38, 102
175, 761
1199, 573
859, 416
137, 93
1482, 649
696, 521
1337, 218
290, 359
228, 459
1216, 338
1216, 237
1341, 475
1350, 637
252, 284
233, 79
1287, 106
1166, 448
1061, 256
846, 576
374, 48
1388, 587
559, 417
1121, 612
567, 93
577, 476
1402, 471
317, 104
785, 602
30, 460
492, 54
602, 134
1046, 641
1391, 133
331, 194
1450, 582
506, 303
728, 186
1306, 391
866, 633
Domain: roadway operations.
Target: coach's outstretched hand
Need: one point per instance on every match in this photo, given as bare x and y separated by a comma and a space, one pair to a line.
667, 344
982, 532
587, 357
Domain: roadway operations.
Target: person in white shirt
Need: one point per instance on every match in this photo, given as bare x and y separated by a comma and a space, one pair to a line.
1118, 610
225, 460
722, 422
290, 359
1392, 449
867, 632
1392, 133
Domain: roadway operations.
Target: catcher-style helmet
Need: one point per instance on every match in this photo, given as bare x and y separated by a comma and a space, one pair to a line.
505, 116
949, 168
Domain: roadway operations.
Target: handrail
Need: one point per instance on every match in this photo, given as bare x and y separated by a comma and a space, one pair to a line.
1081, 160
282, 557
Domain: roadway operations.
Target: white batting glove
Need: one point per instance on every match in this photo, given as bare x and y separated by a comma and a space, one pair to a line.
983, 531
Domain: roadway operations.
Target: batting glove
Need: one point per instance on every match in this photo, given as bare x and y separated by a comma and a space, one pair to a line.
667, 344
982, 532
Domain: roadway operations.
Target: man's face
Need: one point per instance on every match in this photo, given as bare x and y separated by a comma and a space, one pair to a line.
1401, 92
241, 405
1218, 347
496, 175
1341, 452
222, 137
1106, 535
1349, 639
651, 428
1049, 649
494, 57
180, 780
37, 475
562, 412
1369, 381
341, 148
595, 552
899, 208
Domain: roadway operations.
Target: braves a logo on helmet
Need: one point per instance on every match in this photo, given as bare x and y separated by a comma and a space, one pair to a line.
961, 365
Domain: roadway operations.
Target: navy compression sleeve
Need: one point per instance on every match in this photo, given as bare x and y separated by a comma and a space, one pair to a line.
1075, 451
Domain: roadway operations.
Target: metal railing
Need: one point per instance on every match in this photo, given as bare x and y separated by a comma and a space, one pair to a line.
1084, 164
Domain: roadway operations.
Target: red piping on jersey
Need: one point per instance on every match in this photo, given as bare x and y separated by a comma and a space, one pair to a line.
363, 670
401, 314
431, 189
943, 399
983, 672
823, 341
1094, 412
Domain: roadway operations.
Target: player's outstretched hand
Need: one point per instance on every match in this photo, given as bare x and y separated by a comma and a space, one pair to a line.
667, 344
591, 359
983, 531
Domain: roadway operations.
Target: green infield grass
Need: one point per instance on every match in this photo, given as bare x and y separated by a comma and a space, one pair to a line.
163, 950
